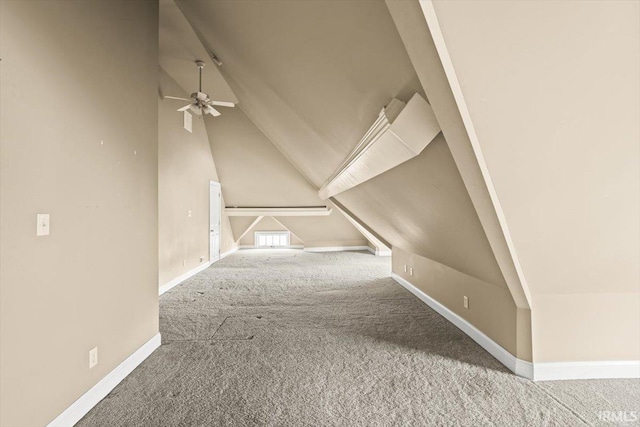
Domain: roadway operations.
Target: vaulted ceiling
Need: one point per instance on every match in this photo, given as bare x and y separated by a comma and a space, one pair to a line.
312, 75
311, 78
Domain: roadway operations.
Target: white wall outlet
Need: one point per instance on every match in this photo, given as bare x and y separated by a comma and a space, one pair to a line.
93, 357
184, 262
410, 271
42, 225
405, 268
189, 213
465, 302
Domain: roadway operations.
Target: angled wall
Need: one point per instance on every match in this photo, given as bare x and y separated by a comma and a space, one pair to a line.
78, 141
241, 224
268, 224
185, 167
423, 210
555, 108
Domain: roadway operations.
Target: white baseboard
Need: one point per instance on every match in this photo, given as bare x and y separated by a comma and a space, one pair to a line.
318, 248
337, 248
586, 370
519, 367
280, 247
87, 401
534, 371
164, 288
229, 252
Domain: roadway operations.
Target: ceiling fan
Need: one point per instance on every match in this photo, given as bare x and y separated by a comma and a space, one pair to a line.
200, 101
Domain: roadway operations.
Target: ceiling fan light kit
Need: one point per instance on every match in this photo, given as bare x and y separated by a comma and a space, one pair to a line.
200, 102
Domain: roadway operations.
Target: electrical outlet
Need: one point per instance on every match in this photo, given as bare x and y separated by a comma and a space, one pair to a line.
410, 271
189, 213
201, 259
405, 268
93, 357
465, 302
184, 262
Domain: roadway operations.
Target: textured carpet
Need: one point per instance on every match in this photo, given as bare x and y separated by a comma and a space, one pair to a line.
288, 338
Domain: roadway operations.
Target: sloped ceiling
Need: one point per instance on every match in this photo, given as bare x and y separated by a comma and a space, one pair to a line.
252, 170
255, 174
179, 48
312, 75
423, 207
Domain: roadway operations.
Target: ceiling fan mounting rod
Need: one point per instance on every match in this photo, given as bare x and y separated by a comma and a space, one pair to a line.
200, 65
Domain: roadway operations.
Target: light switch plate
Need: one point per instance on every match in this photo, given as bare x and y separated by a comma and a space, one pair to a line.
188, 121
42, 225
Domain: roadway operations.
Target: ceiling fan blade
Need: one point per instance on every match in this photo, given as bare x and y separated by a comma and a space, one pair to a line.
212, 111
175, 97
185, 108
222, 103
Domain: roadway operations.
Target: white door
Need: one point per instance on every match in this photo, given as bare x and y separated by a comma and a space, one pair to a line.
215, 213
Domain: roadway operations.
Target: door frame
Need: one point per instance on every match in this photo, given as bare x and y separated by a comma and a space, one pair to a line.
215, 258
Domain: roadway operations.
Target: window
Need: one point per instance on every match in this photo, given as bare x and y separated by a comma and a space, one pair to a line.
271, 239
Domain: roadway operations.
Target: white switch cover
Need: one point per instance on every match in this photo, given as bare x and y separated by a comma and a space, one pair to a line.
405, 268
410, 271
42, 225
93, 357
188, 121
465, 302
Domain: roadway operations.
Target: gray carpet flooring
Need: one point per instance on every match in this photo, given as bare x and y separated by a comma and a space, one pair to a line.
288, 338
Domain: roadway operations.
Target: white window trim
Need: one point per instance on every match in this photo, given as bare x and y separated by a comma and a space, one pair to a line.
257, 234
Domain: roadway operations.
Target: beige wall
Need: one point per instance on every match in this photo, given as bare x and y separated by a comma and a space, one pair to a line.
556, 109
240, 224
227, 242
268, 224
491, 308
423, 209
185, 167
256, 174
78, 141
324, 231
